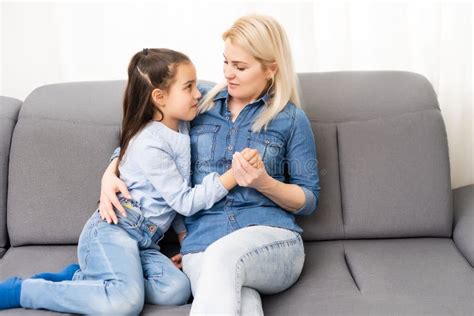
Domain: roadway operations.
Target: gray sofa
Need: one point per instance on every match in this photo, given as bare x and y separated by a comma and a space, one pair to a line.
389, 236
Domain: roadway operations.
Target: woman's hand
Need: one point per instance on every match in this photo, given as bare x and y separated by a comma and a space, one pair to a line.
110, 185
253, 157
246, 174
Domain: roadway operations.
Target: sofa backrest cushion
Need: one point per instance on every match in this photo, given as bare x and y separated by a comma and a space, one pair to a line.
61, 145
382, 153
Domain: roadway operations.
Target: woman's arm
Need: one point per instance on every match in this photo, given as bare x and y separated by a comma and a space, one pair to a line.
288, 196
109, 187
301, 194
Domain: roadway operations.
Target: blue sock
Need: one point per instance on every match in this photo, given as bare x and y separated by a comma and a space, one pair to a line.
10, 292
65, 275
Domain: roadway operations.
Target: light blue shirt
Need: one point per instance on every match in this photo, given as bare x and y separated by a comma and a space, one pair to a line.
156, 170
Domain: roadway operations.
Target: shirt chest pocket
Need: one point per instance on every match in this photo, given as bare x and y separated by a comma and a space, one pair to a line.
271, 148
203, 142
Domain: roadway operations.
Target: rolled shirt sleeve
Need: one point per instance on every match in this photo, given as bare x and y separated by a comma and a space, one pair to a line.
303, 162
115, 154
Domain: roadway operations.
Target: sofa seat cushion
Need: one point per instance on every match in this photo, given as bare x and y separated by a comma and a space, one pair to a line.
27, 260
388, 276
354, 277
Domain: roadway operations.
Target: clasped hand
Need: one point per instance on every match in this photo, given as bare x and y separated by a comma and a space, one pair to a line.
248, 169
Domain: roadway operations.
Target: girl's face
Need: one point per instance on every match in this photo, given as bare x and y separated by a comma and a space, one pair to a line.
179, 103
246, 80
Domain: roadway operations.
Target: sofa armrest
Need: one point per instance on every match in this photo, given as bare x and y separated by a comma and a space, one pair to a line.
9, 109
463, 234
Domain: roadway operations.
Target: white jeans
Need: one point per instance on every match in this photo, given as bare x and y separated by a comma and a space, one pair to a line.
227, 278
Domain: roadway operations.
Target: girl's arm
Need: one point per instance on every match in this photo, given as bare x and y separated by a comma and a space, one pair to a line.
111, 185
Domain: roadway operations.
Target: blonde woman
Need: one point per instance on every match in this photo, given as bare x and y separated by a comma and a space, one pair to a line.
248, 243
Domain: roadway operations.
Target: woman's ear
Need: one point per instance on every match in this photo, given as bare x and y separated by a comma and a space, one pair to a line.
158, 97
272, 70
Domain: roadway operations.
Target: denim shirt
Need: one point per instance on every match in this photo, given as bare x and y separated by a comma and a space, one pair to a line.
288, 150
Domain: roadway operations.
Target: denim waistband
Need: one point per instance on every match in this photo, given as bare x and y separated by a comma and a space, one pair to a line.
136, 219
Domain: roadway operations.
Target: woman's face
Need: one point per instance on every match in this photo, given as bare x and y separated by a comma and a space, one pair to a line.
246, 80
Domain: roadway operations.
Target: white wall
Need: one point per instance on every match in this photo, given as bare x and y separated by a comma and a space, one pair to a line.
49, 42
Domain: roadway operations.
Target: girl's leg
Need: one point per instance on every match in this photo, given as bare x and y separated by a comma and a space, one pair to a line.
65, 275
164, 283
110, 280
267, 259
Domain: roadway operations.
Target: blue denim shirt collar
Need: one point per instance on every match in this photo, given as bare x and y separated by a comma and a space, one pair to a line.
224, 94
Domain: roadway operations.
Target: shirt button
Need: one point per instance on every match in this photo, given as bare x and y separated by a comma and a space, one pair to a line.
230, 147
232, 130
227, 118
231, 217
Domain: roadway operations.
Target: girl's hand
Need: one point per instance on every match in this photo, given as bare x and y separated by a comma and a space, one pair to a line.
247, 175
110, 185
177, 261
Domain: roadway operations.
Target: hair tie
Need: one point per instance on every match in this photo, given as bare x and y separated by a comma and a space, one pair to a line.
145, 51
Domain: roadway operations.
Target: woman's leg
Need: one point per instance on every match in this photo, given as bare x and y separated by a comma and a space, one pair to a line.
164, 283
192, 264
267, 259
251, 304
110, 280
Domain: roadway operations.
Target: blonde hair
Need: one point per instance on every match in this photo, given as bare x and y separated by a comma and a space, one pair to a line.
264, 39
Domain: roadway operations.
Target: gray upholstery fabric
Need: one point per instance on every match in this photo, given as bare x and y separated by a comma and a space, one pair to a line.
370, 143
326, 222
2, 252
382, 277
389, 277
97, 102
64, 137
9, 108
166, 310
28, 260
363, 95
463, 235
62, 184
395, 179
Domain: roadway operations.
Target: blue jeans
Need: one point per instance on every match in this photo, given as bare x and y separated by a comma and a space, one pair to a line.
227, 278
121, 267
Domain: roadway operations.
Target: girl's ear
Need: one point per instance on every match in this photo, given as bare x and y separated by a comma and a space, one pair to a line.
157, 96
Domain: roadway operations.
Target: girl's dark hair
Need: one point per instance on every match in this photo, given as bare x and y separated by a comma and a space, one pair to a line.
149, 69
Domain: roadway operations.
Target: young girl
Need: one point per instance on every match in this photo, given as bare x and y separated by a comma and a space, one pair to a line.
120, 266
